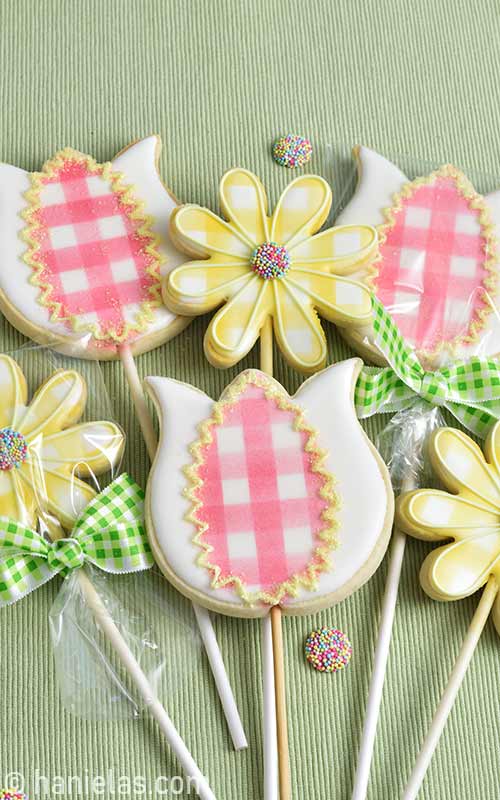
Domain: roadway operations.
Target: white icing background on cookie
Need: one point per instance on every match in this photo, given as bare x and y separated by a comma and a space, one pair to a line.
137, 163
378, 181
365, 498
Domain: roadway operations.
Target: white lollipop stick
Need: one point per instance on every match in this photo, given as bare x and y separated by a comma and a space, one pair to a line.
121, 648
203, 617
461, 666
112, 633
270, 735
380, 663
220, 676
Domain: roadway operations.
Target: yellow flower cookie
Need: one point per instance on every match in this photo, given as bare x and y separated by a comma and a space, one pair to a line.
469, 514
43, 453
260, 267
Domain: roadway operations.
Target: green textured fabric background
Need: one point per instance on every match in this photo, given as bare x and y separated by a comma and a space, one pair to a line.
218, 80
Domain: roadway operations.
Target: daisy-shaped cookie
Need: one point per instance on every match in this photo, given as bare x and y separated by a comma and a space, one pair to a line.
469, 513
43, 453
260, 266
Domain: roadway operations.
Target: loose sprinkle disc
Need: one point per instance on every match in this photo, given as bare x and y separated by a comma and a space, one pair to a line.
13, 449
11, 794
270, 260
328, 650
292, 151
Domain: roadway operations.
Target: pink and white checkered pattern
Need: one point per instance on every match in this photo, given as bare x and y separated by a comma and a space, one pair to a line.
93, 257
260, 497
432, 267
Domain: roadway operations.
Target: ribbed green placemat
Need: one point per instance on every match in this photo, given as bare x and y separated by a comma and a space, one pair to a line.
219, 79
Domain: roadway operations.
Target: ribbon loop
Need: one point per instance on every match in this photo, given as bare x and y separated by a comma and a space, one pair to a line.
65, 555
470, 390
109, 533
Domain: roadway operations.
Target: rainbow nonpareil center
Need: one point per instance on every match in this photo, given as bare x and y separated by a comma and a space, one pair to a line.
270, 260
13, 449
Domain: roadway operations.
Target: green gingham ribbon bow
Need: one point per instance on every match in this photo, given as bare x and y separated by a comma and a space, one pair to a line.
470, 390
109, 533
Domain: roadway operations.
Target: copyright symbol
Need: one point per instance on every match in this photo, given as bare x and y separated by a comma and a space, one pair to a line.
14, 780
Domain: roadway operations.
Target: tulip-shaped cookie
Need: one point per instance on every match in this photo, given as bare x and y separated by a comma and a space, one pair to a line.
262, 499
437, 269
83, 247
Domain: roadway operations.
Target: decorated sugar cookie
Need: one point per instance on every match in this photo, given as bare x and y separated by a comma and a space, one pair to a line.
83, 247
438, 259
256, 267
44, 453
467, 512
262, 499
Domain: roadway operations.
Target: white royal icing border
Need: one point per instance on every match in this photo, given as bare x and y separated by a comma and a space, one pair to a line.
19, 299
378, 181
363, 485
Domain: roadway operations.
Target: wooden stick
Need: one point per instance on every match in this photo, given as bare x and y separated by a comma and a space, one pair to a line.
140, 680
455, 681
270, 736
281, 717
203, 618
266, 362
380, 660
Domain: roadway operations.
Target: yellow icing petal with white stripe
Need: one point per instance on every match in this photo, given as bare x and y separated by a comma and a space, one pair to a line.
201, 286
16, 502
337, 299
460, 569
461, 466
297, 328
471, 516
301, 211
341, 250
65, 496
235, 328
244, 203
203, 233
58, 402
92, 447
432, 514
13, 391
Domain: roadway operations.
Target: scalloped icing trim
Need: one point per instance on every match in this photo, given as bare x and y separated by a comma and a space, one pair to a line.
134, 211
476, 202
320, 560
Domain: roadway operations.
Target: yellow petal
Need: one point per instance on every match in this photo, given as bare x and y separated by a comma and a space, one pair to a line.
301, 211
200, 286
297, 328
492, 447
340, 250
13, 392
461, 466
59, 402
433, 515
202, 233
16, 500
244, 203
91, 448
339, 300
235, 328
63, 496
460, 569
